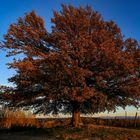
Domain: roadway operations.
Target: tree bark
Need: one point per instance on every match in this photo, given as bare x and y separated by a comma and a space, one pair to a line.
76, 119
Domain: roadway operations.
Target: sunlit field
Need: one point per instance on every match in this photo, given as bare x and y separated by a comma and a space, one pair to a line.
24, 126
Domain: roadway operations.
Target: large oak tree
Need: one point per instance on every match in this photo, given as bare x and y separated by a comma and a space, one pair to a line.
84, 65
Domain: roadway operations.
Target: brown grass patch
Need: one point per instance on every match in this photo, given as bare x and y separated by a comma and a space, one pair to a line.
18, 118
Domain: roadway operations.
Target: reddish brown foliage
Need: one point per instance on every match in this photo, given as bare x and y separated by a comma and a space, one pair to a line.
84, 64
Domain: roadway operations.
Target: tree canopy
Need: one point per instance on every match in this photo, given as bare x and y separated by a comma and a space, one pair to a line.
83, 65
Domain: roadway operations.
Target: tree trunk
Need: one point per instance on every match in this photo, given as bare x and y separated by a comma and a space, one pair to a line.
76, 119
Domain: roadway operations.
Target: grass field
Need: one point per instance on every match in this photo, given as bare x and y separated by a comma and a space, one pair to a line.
89, 132
21, 126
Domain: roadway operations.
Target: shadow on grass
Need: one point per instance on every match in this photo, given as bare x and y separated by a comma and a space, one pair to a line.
31, 133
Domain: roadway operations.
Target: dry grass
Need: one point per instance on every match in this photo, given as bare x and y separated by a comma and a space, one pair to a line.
47, 129
18, 119
128, 123
112, 133
27, 119
89, 132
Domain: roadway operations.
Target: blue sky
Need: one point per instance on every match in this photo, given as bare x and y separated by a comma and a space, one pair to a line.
125, 13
